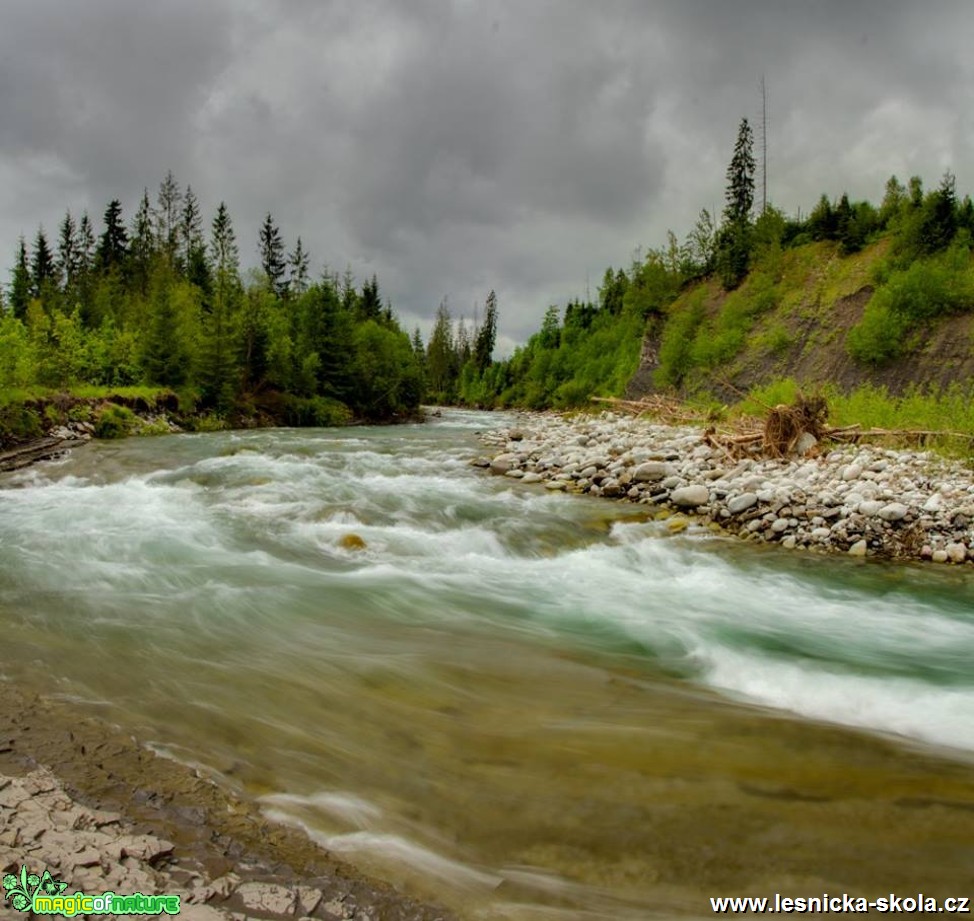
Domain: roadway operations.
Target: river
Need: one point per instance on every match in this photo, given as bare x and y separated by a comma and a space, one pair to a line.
524, 704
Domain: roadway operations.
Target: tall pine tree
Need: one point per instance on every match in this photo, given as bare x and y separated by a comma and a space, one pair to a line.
271, 249
67, 253
42, 264
143, 244
298, 262
487, 335
168, 206
20, 285
734, 243
114, 241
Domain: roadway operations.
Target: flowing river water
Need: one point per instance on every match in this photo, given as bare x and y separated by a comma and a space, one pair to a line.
522, 704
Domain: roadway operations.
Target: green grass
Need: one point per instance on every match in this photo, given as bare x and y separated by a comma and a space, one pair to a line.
870, 407
82, 392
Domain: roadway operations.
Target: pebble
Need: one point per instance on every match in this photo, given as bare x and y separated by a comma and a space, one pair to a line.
857, 499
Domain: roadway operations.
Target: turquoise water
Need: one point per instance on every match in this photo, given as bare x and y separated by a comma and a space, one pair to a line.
480, 689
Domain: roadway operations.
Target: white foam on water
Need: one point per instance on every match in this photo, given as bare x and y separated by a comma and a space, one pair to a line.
348, 807
390, 848
941, 716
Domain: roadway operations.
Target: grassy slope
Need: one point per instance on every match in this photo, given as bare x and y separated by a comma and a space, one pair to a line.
790, 320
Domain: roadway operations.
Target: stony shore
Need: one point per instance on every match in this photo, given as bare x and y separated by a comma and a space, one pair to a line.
853, 499
86, 803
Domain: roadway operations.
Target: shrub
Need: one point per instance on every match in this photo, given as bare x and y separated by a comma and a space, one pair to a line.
114, 421
318, 412
19, 422
880, 336
676, 349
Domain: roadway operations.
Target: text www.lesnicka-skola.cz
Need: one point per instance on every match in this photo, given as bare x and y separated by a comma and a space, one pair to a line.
840, 904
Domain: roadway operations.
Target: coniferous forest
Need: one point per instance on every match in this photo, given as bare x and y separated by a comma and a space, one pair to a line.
159, 301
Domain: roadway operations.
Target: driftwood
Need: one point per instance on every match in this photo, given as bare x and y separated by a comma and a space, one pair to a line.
779, 434
665, 409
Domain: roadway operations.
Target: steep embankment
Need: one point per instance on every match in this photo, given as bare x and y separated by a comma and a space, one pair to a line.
792, 317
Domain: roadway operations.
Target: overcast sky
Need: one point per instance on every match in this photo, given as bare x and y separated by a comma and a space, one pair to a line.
454, 146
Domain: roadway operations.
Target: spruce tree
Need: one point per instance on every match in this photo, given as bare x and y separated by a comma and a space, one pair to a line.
218, 366
941, 222
192, 248
734, 243
441, 369
740, 178
67, 253
167, 215
143, 245
486, 335
223, 244
85, 245
272, 255
85, 249
114, 241
21, 283
42, 264
370, 304
298, 262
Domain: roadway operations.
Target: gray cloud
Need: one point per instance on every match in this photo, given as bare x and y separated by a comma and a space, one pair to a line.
454, 147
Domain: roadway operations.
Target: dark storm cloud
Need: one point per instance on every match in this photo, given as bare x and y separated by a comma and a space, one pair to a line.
453, 147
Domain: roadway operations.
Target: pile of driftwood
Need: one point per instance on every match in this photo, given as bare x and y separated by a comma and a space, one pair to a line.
800, 428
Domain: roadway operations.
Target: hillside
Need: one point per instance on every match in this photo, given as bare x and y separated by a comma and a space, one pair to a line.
820, 318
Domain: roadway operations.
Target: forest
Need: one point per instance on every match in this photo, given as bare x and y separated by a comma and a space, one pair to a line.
160, 301
704, 299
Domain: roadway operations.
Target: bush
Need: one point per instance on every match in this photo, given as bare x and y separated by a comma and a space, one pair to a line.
676, 349
880, 336
930, 287
316, 412
19, 423
113, 421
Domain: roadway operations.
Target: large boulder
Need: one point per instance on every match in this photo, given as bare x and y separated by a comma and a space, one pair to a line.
502, 463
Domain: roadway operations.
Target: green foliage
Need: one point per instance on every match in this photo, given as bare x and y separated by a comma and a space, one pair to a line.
593, 352
18, 359
782, 390
908, 297
776, 340
320, 412
386, 374
205, 422
19, 422
157, 427
947, 410
676, 356
114, 421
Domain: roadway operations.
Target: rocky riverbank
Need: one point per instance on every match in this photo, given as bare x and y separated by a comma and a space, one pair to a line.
85, 803
858, 500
